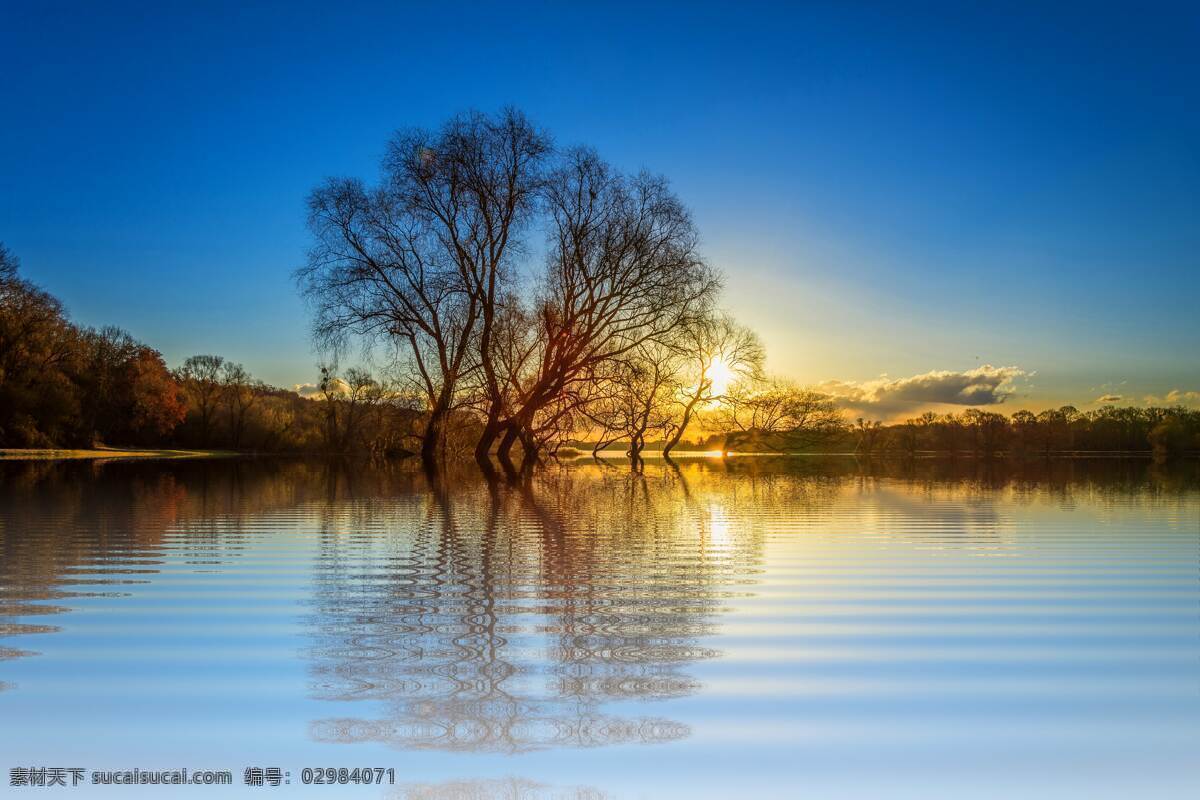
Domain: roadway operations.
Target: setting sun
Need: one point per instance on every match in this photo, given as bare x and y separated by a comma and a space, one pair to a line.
721, 376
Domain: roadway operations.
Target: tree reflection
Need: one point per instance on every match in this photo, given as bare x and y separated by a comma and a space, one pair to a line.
512, 617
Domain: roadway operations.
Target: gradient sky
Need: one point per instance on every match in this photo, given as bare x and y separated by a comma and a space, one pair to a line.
887, 192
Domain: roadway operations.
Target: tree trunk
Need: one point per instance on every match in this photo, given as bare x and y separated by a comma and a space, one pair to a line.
683, 423
600, 444
432, 440
636, 443
530, 456
504, 452
491, 431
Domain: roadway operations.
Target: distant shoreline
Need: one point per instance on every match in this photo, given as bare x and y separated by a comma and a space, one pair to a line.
106, 453
894, 454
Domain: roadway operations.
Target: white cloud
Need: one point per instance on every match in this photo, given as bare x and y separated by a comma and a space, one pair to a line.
1108, 399
884, 396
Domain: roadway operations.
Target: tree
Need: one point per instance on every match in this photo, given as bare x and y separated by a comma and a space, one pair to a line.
201, 377
476, 183
63, 384
641, 400
240, 393
423, 260
157, 403
1056, 428
127, 394
777, 415
39, 404
908, 436
867, 434
988, 430
623, 272
351, 406
1024, 430
711, 345
1177, 432
103, 374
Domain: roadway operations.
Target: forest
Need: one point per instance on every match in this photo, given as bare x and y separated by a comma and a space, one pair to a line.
518, 300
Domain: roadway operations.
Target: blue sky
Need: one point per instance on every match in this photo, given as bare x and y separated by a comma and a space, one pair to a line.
887, 192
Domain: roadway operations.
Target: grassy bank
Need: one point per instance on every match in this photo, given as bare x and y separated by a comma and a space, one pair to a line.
39, 454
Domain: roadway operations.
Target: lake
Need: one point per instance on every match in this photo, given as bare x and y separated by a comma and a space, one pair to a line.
755, 627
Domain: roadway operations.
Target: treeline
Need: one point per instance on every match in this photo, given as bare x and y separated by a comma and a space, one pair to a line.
1163, 431
353, 412
62, 385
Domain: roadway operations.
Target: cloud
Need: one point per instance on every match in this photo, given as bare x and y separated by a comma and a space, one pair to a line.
884, 396
1175, 397
312, 390
1109, 398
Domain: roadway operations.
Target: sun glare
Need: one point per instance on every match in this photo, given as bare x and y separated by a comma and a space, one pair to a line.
721, 376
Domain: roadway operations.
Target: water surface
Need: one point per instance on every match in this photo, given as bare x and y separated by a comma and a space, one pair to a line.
750, 628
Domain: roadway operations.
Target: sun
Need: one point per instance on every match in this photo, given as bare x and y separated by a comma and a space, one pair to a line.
721, 376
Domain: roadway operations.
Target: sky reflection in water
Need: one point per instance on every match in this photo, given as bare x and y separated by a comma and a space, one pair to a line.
757, 627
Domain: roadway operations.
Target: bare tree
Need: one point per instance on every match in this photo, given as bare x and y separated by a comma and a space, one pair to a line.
427, 261
605, 413
9, 265
424, 259
650, 390
714, 344
351, 405
868, 434
201, 379
107, 354
475, 185
240, 393
778, 415
639, 401
623, 272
